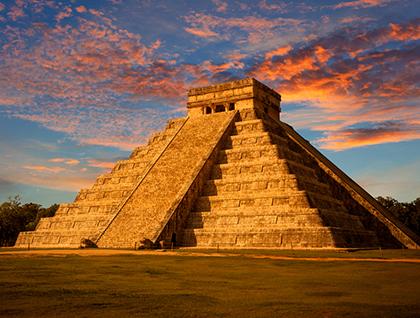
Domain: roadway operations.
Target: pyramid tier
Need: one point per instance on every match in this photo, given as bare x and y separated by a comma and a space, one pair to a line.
260, 182
273, 218
262, 237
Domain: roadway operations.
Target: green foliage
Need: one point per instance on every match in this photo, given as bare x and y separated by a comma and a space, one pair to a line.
407, 213
16, 217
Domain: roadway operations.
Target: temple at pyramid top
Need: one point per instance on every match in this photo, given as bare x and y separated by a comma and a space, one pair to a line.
235, 95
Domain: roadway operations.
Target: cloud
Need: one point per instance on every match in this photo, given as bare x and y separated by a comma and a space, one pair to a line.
221, 6
1, 7
361, 4
256, 32
67, 161
91, 80
278, 52
15, 13
348, 77
64, 14
202, 32
81, 9
107, 165
280, 7
41, 168
355, 19
383, 132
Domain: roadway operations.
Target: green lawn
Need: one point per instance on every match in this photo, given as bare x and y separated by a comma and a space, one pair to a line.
189, 286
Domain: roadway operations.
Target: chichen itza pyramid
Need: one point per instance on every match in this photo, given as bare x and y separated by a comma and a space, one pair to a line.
229, 175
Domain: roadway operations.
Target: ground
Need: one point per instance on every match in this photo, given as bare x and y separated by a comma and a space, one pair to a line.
191, 283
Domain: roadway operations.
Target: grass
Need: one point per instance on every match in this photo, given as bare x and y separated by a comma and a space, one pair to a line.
180, 286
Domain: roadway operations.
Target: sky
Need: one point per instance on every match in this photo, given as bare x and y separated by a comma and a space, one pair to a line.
84, 82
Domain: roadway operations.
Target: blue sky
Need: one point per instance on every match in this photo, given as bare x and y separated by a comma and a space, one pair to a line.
84, 82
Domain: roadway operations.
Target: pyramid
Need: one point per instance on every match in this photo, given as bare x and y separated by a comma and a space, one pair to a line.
230, 175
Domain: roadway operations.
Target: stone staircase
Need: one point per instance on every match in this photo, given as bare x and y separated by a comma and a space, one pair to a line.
168, 183
261, 193
93, 208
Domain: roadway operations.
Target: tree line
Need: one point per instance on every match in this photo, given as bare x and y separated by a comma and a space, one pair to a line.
16, 217
407, 212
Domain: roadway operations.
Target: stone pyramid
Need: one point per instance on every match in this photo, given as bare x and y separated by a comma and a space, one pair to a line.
230, 175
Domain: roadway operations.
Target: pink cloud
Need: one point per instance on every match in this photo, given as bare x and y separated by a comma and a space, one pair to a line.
361, 4
201, 32
280, 7
15, 13
67, 161
236, 56
64, 14
107, 165
252, 30
1, 7
221, 6
40, 168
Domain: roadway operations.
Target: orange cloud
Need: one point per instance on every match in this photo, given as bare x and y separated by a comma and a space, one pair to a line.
101, 164
40, 168
81, 9
281, 7
64, 14
15, 13
278, 52
67, 161
405, 33
344, 82
361, 4
221, 6
384, 133
253, 30
201, 32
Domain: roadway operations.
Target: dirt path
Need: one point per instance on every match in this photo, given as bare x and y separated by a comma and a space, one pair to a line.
105, 252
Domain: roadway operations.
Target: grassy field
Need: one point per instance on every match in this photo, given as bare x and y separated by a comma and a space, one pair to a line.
189, 286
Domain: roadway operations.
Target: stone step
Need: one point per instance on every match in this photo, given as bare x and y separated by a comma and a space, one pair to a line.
261, 166
59, 223
108, 187
250, 126
249, 153
103, 202
130, 165
321, 237
243, 153
76, 208
120, 177
261, 182
252, 139
259, 210
112, 186
267, 198
311, 218
93, 195
283, 182
295, 198
46, 239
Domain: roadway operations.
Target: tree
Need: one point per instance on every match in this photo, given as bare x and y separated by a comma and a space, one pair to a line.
407, 213
15, 217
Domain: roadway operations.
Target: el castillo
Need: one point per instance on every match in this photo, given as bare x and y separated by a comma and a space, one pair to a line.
231, 174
